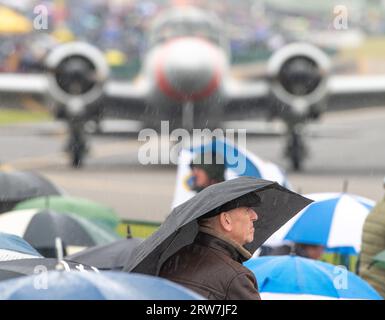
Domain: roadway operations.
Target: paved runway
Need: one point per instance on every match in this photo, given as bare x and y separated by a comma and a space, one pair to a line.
347, 145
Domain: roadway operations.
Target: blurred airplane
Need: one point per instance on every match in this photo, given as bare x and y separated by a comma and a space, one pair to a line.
186, 80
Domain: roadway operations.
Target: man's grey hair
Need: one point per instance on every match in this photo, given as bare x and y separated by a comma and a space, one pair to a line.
206, 222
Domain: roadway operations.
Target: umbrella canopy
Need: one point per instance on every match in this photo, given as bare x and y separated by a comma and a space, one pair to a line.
16, 186
41, 227
247, 164
12, 22
334, 220
180, 228
95, 286
293, 277
379, 259
90, 210
22, 267
13, 247
110, 256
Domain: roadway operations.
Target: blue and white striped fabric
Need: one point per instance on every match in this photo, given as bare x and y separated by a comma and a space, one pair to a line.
297, 278
334, 220
238, 162
13, 247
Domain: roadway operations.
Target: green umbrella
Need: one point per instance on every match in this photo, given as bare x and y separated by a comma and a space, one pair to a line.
379, 259
100, 214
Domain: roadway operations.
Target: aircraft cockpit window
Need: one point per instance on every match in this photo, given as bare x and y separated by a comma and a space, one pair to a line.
184, 28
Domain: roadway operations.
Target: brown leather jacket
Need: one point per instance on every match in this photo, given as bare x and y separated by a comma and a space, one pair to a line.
212, 266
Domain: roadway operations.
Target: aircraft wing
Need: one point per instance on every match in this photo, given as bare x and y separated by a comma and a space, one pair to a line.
134, 92
23, 83
245, 90
125, 94
343, 92
355, 91
246, 95
38, 84
125, 99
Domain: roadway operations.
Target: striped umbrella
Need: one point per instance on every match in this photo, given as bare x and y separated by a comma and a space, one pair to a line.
41, 227
13, 247
293, 277
95, 286
238, 162
333, 220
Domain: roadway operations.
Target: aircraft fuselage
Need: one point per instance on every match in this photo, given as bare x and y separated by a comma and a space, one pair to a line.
186, 70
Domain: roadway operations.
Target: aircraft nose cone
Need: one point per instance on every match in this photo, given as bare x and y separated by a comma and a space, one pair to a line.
189, 70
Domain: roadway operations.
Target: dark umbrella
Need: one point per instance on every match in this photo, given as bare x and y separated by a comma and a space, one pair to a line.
18, 268
110, 256
40, 228
16, 186
276, 206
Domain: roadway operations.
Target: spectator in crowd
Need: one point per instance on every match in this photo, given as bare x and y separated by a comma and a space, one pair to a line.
373, 242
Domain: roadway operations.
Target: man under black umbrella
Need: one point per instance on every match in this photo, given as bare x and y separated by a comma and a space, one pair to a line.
212, 264
203, 242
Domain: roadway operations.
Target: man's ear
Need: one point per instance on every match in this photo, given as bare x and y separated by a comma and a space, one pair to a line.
225, 221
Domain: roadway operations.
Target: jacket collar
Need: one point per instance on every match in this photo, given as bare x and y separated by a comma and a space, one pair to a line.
214, 239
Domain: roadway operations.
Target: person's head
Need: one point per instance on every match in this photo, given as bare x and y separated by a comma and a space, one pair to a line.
236, 224
201, 178
311, 251
207, 169
234, 220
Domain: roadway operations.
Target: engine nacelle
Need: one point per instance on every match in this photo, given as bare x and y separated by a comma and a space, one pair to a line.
298, 73
77, 74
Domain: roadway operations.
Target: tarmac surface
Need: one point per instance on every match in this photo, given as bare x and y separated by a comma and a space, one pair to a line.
343, 146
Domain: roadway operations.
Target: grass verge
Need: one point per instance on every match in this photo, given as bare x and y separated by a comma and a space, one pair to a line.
12, 116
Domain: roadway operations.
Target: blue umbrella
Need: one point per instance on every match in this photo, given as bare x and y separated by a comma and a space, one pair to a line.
333, 220
13, 247
93, 286
293, 277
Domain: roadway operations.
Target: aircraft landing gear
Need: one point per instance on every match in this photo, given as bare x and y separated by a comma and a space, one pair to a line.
77, 145
295, 147
188, 115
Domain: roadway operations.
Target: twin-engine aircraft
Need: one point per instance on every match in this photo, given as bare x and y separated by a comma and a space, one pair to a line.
186, 80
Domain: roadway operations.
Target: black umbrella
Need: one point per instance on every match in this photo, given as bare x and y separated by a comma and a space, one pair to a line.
16, 186
40, 228
110, 256
277, 205
19, 268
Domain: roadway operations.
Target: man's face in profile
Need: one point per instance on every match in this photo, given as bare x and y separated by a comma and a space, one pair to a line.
242, 224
